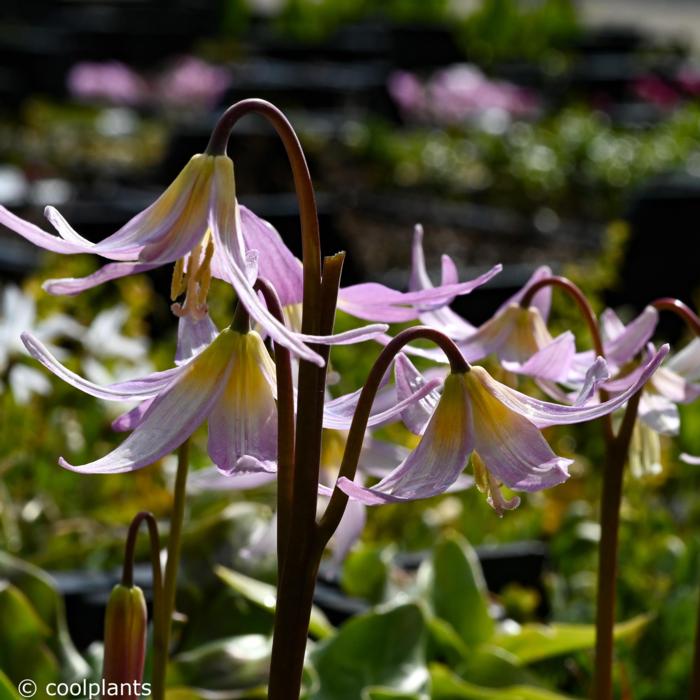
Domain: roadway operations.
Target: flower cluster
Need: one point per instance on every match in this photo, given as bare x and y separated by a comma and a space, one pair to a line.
463, 415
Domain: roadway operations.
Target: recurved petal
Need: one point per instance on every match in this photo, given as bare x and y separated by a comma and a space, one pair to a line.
276, 262
224, 223
552, 362
443, 318
355, 335
545, 413
596, 375
376, 302
41, 238
338, 414
659, 413
690, 459
131, 390
686, 362
674, 386
624, 346
129, 420
611, 326
436, 462
511, 447
74, 285
243, 422
171, 226
211, 479
542, 299
409, 381
193, 336
173, 416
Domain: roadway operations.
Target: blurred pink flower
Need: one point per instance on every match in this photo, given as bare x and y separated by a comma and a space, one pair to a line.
192, 82
111, 81
457, 93
651, 88
188, 82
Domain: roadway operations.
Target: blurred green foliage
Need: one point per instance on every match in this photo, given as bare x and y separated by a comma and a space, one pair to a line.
575, 162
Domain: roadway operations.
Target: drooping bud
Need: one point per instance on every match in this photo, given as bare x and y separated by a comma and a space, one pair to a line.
126, 620
126, 623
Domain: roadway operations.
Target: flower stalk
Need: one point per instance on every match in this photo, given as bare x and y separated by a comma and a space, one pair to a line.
691, 319
616, 449
126, 618
163, 624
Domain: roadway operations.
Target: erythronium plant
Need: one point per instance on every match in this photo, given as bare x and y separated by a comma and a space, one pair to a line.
266, 405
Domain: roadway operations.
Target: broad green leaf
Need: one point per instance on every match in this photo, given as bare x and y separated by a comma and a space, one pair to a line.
366, 573
265, 596
493, 667
40, 590
445, 685
236, 663
535, 642
457, 590
23, 651
444, 643
7, 689
383, 648
389, 694
193, 694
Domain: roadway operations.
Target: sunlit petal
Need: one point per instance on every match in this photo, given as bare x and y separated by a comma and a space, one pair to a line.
511, 447
173, 416
243, 422
437, 461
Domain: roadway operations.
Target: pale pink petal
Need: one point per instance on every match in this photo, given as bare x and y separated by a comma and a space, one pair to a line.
436, 462
545, 413
174, 415
74, 285
131, 390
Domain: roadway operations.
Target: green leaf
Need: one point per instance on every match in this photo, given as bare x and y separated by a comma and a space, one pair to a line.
457, 590
389, 694
383, 648
493, 667
41, 592
445, 685
535, 642
366, 573
23, 651
444, 643
265, 596
193, 694
239, 662
7, 689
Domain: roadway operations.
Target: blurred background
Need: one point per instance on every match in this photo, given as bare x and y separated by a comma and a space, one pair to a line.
525, 132
515, 131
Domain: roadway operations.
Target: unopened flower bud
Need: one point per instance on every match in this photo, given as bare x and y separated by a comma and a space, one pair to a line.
126, 623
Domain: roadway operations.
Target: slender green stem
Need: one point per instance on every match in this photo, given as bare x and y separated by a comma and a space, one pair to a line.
285, 424
161, 641
611, 499
353, 447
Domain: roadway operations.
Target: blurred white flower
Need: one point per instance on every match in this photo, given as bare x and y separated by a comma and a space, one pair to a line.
18, 314
103, 340
104, 337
